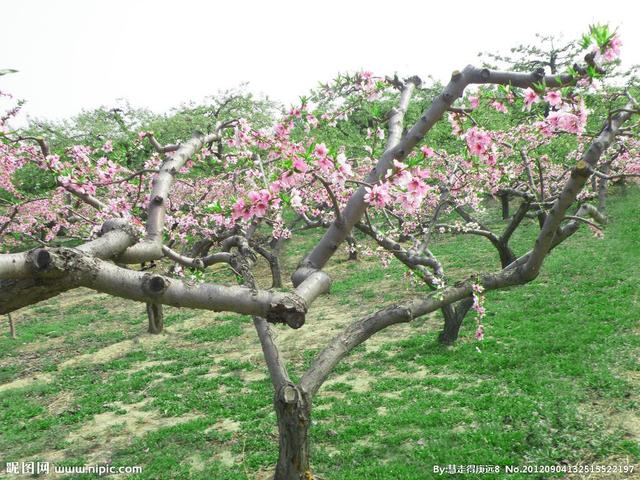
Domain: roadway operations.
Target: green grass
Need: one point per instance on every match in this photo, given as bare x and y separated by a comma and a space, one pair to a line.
555, 380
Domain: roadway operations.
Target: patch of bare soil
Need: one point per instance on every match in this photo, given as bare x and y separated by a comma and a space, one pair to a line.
116, 350
103, 355
27, 381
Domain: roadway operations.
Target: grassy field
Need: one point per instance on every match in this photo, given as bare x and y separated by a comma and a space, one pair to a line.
556, 379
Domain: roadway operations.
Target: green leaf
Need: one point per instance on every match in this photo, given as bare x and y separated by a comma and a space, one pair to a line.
586, 41
7, 71
285, 197
539, 86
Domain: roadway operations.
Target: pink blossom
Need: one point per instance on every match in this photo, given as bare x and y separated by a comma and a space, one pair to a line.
282, 130
312, 121
107, 147
567, 122
410, 203
378, 195
499, 106
583, 114
321, 150
454, 120
554, 98
402, 178
300, 165
491, 160
417, 186
427, 152
474, 101
54, 162
613, 49
259, 202
422, 172
478, 141
530, 97
240, 210
325, 163
544, 128
343, 165
479, 333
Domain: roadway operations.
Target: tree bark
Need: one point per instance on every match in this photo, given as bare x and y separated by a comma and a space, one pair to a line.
12, 326
504, 200
293, 409
453, 318
506, 254
156, 317
602, 189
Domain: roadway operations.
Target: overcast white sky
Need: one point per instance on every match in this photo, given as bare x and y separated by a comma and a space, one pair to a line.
85, 53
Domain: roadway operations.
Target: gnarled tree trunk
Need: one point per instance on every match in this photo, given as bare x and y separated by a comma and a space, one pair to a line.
293, 409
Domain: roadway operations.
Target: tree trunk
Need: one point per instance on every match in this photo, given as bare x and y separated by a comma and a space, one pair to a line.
353, 253
504, 200
506, 255
12, 326
453, 317
156, 317
293, 409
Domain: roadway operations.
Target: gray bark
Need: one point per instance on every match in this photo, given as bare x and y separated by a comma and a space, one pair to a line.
454, 315
156, 318
504, 201
293, 409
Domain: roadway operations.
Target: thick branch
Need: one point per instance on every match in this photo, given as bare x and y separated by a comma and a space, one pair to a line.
88, 271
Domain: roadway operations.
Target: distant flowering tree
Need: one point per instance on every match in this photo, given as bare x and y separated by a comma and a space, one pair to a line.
393, 186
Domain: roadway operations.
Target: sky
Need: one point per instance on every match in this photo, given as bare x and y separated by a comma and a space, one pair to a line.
81, 54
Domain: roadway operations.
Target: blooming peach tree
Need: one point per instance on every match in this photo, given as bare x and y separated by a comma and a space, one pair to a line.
396, 186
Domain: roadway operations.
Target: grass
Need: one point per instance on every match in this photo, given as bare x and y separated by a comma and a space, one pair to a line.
555, 380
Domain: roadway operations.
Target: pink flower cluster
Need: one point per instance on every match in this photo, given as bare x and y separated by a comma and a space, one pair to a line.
613, 49
478, 306
478, 141
257, 205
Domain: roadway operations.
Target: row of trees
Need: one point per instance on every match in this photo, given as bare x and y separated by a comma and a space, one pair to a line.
149, 209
